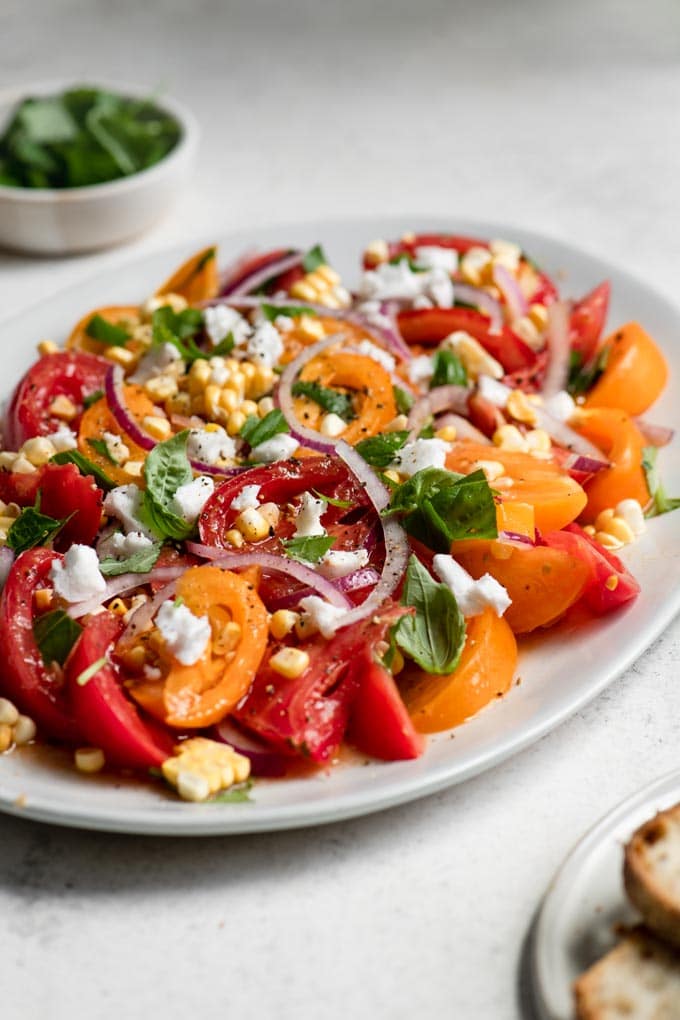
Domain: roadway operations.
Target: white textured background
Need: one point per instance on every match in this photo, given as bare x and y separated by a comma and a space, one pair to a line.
562, 117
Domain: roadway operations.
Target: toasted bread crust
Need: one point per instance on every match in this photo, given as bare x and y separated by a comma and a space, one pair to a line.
654, 848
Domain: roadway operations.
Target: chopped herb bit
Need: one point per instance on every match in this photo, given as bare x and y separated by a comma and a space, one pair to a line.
101, 447
448, 370
236, 795
272, 312
435, 635
439, 507
31, 528
225, 346
55, 634
661, 503
179, 329
309, 550
92, 398
583, 377
91, 671
106, 332
342, 504
314, 258
258, 430
85, 466
410, 262
141, 562
328, 400
403, 399
379, 451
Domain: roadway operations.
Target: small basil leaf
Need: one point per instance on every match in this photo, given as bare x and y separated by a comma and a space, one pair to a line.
309, 550
403, 399
328, 400
435, 635
141, 562
85, 466
55, 634
166, 469
272, 312
314, 258
342, 504
106, 332
255, 431
448, 370
92, 398
439, 507
379, 451
31, 528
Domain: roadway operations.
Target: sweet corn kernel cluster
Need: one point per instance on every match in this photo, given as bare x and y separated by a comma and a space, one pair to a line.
15, 729
536, 442
618, 526
202, 767
323, 286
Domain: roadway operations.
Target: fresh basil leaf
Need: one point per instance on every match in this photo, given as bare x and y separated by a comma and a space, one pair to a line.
661, 503
427, 431
225, 346
328, 400
309, 550
410, 262
102, 449
258, 430
141, 562
582, 377
31, 528
314, 258
379, 451
342, 504
55, 634
272, 312
435, 635
106, 332
439, 507
403, 399
85, 466
448, 370
179, 329
236, 795
166, 469
92, 398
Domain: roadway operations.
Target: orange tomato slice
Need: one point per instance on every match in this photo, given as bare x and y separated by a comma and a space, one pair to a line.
622, 442
296, 339
126, 316
98, 419
485, 672
364, 379
196, 279
635, 374
556, 498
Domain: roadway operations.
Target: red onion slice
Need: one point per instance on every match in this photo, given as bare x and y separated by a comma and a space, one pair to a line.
657, 435
121, 585
284, 395
516, 537
441, 398
567, 437
252, 281
579, 462
364, 577
515, 301
115, 398
559, 350
264, 761
269, 562
483, 301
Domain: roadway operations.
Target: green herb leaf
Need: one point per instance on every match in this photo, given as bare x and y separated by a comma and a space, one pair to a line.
342, 504
258, 430
55, 634
409, 260
448, 370
32, 528
314, 258
583, 377
308, 550
179, 329
403, 399
236, 795
85, 466
379, 451
141, 562
106, 332
102, 449
166, 469
439, 507
329, 400
91, 671
272, 312
92, 398
225, 346
661, 503
434, 637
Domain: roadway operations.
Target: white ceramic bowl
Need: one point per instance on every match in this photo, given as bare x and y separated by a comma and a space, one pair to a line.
61, 221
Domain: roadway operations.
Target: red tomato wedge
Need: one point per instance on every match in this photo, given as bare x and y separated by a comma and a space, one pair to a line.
587, 320
379, 722
609, 584
432, 325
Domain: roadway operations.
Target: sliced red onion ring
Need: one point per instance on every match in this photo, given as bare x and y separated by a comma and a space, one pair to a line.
284, 395
657, 435
364, 577
464, 428
441, 398
251, 281
483, 301
385, 328
6, 561
566, 436
233, 273
578, 462
264, 762
559, 349
510, 289
516, 537
113, 391
269, 562
121, 585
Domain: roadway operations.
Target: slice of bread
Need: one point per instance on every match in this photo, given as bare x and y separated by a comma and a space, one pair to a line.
638, 980
651, 874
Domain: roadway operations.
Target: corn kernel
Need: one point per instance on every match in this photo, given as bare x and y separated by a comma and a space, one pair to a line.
234, 538
237, 382
118, 607
134, 468
397, 662
9, 713
89, 759
397, 424
252, 525
475, 265
590, 530
248, 368
6, 737
7, 459
492, 468
24, 730
212, 399
43, 598
509, 252
621, 530
376, 252
448, 433
63, 407
332, 426
200, 370
121, 356
607, 540
538, 441
235, 422
603, 519
509, 437
249, 408
311, 328
393, 476
612, 582
265, 406
192, 787
201, 767
228, 638
229, 400
475, 359
161, 387
303, 290
261, 383
519, 407
22, 465
327, 273
282, 622
179, 403
174, 301
6, 522
134, 658
539, 316
525, 328
47, 347
156, 426
271, 513
289, 662
38, 450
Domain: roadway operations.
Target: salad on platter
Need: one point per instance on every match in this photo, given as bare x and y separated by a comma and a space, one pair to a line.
260, 517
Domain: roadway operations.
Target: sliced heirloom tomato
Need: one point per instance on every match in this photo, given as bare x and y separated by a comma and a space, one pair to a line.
635, 373
196, 279
556, 498
610, 584
587, 320
37, 689
249, 265
99, 419
621, 441
485, 672
64, 493
124, 316
363, 379
429, 326
73, 374
105, 715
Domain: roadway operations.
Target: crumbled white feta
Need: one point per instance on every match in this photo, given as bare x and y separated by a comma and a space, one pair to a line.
123, 546
279, 447
78, 578
284, 323
63, 439
633, 515
117, 449
472, 596
320, 615
221, 320
124, 503
433, 257
210, 447
440, 288
495, 392
155, 363
396, 281
371, 350
561, 405
186, 636
247, 499
421, 302
420, 454
265, 345
420, 369
476, 360
308, 520
341, 562
190, 499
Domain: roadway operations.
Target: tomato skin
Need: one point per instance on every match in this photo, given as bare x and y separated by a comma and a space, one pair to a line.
635, 374
587, 320
105, 715
621, 441
64, 491
75, 374
432, 325
379, 723
25, 679
598, 594
252, 264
